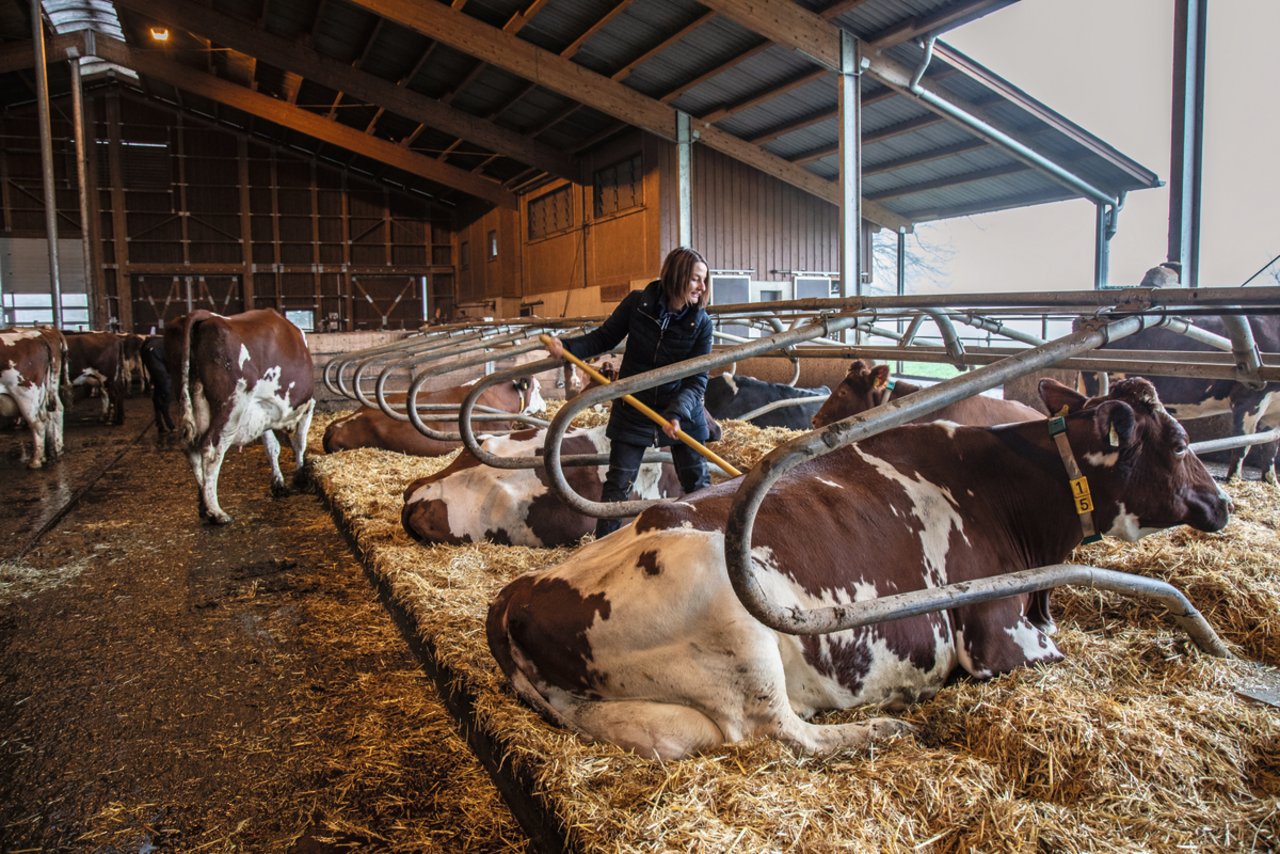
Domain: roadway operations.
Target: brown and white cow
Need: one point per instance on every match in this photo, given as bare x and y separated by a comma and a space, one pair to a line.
370, 427
865, 387
131, 359
239, 377
469, 502
640, 640
33, 364
95, 360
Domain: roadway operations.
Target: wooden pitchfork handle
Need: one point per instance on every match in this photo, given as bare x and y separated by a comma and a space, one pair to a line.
649, 412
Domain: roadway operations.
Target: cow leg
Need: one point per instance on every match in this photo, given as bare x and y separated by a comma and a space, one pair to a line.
38, 422
212, 457
272, 444
299, 440
54, 423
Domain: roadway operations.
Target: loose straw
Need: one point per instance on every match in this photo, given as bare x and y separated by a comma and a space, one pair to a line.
650, 413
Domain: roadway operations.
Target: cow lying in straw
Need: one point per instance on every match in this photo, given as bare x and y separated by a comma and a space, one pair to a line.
640, 639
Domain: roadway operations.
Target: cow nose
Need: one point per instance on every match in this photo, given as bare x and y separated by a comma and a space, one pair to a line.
1226, 499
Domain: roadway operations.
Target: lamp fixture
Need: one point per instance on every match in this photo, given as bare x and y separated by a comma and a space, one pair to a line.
160, 34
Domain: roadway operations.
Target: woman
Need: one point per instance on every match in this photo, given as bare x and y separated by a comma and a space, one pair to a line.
665, 323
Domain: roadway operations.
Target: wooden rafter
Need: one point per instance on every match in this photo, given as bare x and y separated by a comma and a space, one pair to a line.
553, 72
573, 47
678, 35
340, 76
303, 121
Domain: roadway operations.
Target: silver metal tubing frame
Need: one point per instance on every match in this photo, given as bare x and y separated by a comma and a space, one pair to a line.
411, 358
472, 443
756, 482
649, 379
915, 602
334, 369
1230, 442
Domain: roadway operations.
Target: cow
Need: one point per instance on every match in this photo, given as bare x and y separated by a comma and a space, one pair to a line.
369, 427
95, 360
865, 387
152, 356
735, 395
33, 377
1190, 398
470, 502
131, 358
640, 640
239, 377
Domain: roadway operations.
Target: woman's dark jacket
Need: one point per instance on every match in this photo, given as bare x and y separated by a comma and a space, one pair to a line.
639, 318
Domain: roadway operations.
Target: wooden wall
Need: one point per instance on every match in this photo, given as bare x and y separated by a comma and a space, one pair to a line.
191, 214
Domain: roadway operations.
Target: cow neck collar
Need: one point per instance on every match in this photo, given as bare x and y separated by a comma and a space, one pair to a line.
520, 391
886, 394
1080, 494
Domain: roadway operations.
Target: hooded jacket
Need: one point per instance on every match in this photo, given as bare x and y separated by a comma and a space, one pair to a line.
655, 338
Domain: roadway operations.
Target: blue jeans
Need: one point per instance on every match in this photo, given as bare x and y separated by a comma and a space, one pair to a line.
624, 465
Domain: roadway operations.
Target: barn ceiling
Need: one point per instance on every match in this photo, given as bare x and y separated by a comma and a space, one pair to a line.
492, 98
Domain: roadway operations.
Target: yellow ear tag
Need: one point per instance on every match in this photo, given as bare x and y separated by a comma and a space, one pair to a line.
1113, 437
1063, 411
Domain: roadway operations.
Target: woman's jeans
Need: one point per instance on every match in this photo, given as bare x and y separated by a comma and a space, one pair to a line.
624, 465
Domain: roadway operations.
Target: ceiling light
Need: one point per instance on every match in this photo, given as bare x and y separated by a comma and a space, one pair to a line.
160, 34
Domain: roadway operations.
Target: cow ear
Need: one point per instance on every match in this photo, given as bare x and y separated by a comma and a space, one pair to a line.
1058, 398
879, 376
1116, 424
858, 367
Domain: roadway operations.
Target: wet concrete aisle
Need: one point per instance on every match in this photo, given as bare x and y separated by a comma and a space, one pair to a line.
167, 685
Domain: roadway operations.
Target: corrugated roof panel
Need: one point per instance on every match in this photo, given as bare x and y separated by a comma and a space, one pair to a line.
802, 101
558, 25
394, 52
343, 31
760, 72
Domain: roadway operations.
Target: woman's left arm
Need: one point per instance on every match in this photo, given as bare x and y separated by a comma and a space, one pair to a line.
688, 401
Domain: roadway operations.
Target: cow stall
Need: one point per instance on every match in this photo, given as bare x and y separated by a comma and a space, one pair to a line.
1137, 735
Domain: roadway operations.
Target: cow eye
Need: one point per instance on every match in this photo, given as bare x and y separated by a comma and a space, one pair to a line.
1180, 450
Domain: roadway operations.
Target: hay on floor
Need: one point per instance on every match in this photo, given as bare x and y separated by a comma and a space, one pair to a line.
1135, 742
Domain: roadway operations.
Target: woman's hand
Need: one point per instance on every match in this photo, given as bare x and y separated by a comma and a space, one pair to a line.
671, 428
555, 348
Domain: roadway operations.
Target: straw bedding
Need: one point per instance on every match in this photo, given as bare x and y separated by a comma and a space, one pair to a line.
1136, 742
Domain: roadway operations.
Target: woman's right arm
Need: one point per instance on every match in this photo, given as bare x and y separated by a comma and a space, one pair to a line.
607, 336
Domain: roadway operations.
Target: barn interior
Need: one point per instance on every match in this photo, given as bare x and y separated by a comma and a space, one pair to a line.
388, 175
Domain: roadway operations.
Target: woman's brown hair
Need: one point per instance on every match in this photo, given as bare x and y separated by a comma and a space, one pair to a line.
677, 269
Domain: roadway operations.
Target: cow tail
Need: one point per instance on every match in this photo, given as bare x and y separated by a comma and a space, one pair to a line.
64, 391
188, 428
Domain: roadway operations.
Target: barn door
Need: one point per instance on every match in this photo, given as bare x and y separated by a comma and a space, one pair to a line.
388, 302
157, 299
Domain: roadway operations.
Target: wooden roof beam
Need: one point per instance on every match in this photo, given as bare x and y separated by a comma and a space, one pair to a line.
625, 71
303, 121
576, 45
553, 72
341, 76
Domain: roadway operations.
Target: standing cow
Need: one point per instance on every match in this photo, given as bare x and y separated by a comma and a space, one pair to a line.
865, 387
33, 382
640, 640
239, 377
95, 360
152, 356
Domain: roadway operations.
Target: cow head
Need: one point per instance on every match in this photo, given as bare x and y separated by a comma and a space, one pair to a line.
1143, 476
530, 395
861, 389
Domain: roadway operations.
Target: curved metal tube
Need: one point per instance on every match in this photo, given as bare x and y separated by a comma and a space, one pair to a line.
755, 484
914, 602
1244, 348
780, 404
560, 423
472, 443
416, 360
955, 347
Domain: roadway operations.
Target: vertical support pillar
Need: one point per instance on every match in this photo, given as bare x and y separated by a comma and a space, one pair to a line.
120, 216
851, 261
1103, 230
1187, 136
902, 261
92, 287
348, 286
317, 277
684, 178
277, 264
246, 224
41, 73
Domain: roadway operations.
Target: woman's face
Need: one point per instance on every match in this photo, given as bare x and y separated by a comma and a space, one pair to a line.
697, 285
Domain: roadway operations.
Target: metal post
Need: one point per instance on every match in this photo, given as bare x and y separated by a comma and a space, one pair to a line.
850, 166
684, 175
91, 284
41, 73
1102, 246
1187, 137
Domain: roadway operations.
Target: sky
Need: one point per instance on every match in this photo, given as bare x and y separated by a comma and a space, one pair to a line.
1107, 65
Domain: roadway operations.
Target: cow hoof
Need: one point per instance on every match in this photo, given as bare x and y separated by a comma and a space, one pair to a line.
35, 464
301, 478
220, 519
882, 728
279, 489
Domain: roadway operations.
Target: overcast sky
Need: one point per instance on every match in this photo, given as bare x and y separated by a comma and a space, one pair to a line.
1107, 66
